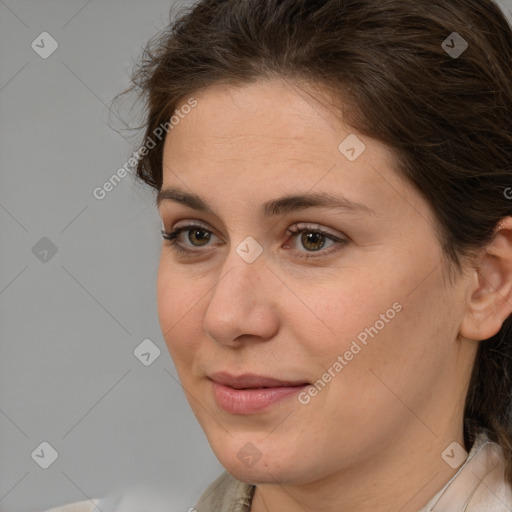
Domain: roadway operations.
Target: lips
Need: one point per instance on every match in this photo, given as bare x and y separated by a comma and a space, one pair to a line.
252, 381
252, 394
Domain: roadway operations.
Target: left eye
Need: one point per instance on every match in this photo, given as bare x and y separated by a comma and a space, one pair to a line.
312, 239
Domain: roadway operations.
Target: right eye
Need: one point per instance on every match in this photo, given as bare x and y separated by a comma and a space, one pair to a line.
196, 233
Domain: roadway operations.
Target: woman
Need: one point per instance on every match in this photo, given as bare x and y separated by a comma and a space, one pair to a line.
335, 185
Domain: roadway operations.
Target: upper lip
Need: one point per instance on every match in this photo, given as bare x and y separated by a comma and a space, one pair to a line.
249, 380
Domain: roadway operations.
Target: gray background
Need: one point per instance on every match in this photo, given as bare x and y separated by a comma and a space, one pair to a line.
70, 324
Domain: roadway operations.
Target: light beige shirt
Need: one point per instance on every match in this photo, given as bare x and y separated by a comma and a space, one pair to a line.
477, 486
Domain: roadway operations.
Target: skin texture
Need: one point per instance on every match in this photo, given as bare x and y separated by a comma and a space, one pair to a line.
373, 437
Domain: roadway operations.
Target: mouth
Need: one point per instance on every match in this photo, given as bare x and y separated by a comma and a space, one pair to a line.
253, 381
242, 400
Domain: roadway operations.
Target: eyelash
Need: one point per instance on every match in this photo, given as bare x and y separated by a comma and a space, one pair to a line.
180, 249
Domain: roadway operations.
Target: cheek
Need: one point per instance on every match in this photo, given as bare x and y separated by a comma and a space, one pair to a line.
398, 369
374, 389
343, 310
178, 305
390, 334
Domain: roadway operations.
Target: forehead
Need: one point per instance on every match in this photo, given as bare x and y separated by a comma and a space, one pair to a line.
269, 138
263, 116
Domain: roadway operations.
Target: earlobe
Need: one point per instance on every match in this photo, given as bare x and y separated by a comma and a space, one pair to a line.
489, 301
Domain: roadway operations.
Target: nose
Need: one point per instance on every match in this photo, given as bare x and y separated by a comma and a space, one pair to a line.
242, 305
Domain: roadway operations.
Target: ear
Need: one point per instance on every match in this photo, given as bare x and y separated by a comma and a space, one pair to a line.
489, 297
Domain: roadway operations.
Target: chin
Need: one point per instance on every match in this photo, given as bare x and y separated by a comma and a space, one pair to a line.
248, 466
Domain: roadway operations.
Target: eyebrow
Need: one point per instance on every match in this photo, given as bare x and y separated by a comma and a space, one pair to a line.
280, 206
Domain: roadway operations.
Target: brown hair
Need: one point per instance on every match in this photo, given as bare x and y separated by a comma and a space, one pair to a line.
447, 118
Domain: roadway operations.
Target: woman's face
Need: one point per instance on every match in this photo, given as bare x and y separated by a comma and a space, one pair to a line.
367, 319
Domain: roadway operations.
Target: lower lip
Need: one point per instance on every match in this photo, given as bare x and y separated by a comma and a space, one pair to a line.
248, 401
